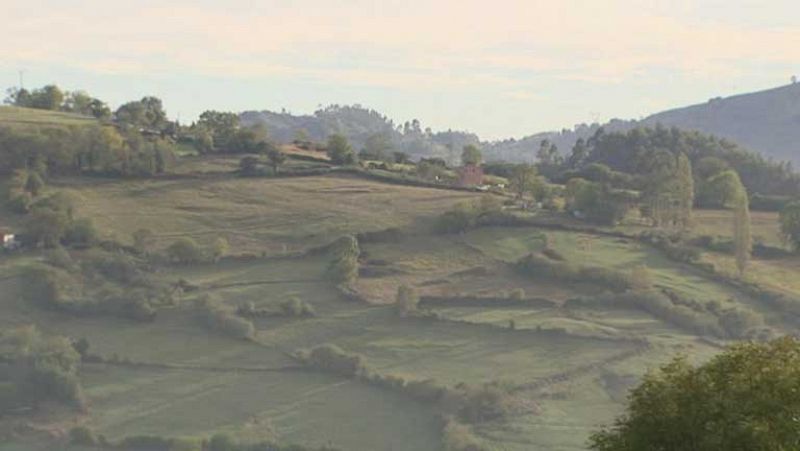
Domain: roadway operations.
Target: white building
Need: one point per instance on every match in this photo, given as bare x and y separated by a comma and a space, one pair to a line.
10, 241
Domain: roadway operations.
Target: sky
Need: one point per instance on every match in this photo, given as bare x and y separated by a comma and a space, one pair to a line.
499, 68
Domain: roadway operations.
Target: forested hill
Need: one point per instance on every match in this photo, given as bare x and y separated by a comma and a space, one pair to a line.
363, 128
767, 122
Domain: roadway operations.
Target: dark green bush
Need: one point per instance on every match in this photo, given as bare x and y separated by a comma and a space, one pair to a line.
331, 358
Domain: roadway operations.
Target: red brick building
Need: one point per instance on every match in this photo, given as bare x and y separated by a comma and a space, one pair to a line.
470, 175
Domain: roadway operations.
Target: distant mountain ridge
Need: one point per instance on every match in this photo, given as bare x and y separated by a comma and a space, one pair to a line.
767, 122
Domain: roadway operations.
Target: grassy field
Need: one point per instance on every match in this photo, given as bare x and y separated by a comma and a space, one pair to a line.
274, 216
21, 117
764, 225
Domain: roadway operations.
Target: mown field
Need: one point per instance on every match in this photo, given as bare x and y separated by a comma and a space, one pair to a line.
257, 215
21, 117
570, 368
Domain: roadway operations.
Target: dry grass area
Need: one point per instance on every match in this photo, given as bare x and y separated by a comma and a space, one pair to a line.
22, 117
764, 225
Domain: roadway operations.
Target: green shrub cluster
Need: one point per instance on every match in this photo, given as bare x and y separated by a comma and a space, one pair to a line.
333, 359
488, 210
706, 319
93, 149
39, 368
221, 319
539, 265
291, 307
459, 437
100, 283
671, 245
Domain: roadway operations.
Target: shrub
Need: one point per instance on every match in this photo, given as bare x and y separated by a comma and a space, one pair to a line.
81, 233
517, 294
185, 251
217, 318
344, 266
458, 437
641, 279
43, 368
333, 359
60, 258
483, 403
294, 306
406, 300
82, 436
540, 266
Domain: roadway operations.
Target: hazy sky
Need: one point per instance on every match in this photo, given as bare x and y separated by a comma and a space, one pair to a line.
499, 68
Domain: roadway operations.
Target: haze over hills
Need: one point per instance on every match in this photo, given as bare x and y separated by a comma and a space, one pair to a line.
765, 121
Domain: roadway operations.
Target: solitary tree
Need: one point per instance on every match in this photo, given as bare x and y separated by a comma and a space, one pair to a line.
684, 187
746, 398
733, 194
218, 249
185, 251
790, 224
143, 240
344, 266
276, 158
339, 150
523, 179
407, 300
741, 232
470, 154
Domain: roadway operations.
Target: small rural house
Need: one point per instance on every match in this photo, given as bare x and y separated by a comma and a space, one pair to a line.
9, 240
470, 175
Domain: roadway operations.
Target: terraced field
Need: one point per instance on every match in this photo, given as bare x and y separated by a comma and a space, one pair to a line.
568, 368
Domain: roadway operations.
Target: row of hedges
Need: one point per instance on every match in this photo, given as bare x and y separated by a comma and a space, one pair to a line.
539, 265
291, 307
705, 319
84, 436
724, 245
472, 404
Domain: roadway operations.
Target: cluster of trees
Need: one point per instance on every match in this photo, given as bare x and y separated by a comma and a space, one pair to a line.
598, 201
85, 149
100, 283
743, 399
51, 97
641, 150
38, 368
51, 221
469, 214
376, 136
222, 132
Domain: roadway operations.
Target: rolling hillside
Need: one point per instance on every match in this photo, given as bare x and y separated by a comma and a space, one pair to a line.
766, 121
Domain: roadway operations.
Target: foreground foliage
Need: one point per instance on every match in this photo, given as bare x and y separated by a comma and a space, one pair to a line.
747, 398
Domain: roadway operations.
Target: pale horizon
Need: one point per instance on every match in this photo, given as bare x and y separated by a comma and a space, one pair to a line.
506, 70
